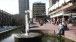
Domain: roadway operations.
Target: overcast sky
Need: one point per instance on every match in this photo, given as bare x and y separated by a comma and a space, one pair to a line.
11, 6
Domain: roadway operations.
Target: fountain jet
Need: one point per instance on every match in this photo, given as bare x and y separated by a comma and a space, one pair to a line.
26, 23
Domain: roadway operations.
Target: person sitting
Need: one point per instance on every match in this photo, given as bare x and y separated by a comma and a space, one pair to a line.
60, 30
65, 26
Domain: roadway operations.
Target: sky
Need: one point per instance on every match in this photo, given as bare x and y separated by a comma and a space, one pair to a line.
11, 6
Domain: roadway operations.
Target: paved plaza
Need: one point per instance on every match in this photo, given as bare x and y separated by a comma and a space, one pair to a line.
70, 34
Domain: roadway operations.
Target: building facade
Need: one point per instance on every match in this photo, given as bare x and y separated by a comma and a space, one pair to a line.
23, 6
38, 10
51, 2
62, 10
5, 18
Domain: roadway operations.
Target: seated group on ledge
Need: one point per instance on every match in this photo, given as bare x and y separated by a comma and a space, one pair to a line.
61, 29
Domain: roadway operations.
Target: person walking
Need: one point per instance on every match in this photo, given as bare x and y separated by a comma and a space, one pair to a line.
41, 23
57, 21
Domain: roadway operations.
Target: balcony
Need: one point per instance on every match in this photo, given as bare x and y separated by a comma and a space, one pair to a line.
58, 5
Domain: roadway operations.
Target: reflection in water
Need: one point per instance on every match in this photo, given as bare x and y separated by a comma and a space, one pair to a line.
48, 38
9, 37
4, 36
60, 39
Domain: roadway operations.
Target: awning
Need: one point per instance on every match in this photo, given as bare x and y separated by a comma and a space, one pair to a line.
73, 16
57, 15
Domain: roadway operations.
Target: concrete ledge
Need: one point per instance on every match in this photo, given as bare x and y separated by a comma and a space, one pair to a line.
7, 30
32, 37
70, 35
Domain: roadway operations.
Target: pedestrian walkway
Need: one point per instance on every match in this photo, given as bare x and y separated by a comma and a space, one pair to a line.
50, 28
7, 28
71, 34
